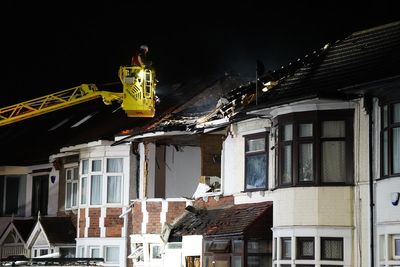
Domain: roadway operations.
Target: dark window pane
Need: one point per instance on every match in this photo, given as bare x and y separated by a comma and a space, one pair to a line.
385, 153
385, 116
258, 261
12, 196
396, 113
332, 249
256, 171
305, 248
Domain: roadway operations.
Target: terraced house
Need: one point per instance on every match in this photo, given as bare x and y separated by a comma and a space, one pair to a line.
300, 167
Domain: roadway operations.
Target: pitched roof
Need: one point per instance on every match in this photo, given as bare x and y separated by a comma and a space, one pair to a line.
24, 227
230, 220
362, 57
59, 230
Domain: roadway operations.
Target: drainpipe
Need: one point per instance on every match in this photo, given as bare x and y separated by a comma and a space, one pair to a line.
368, 108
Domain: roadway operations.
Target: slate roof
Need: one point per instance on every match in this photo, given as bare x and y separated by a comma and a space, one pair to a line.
230, 220
24, 227
59, 230
363, 57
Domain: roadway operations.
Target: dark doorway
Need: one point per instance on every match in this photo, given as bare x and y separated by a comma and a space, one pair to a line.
40, 194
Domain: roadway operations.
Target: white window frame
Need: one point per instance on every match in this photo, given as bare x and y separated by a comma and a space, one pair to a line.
394, 238
72, 181
104, 182
117, 174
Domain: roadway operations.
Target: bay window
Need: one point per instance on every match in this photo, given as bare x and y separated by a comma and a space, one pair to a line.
98, 180
315, 148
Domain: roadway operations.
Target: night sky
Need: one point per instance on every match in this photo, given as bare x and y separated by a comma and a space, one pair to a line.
49, 47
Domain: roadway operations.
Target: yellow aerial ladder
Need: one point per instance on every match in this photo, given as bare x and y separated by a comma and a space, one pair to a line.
137, 98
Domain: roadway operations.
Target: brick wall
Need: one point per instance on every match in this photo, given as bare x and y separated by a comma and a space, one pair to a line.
82, 223
113, 223
154, 224
137, 218
153, 211
94, 229
175, 210
212, 202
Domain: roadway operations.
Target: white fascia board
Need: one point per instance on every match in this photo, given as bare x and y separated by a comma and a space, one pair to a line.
61, 155
86, 145
157, 134
304, 105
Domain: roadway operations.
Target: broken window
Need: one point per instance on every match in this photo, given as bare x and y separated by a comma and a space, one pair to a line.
256, 161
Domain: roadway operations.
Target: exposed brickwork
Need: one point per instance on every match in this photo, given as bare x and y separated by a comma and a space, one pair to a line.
213, 203
154, 224
175, 210
94, 229
137, 218
113, 223
82, 223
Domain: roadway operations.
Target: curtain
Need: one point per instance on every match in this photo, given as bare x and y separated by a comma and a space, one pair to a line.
95, 196
114, 165
333, 161
287, 164
96, 165
306, 162
333, 129
113, 189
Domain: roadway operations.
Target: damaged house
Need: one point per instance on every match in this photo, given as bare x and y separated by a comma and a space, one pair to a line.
298, 168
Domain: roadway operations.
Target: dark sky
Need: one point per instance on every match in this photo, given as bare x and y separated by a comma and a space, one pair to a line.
52, 46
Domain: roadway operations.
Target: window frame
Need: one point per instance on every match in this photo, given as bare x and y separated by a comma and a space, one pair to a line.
389, 129
73, 181
248, 154
316, 118
323, 246
104, 176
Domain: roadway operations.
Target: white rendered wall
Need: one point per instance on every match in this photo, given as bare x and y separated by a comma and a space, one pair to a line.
191, 245
233, 153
